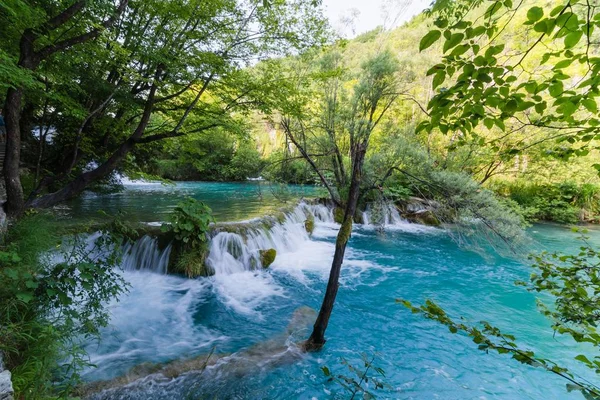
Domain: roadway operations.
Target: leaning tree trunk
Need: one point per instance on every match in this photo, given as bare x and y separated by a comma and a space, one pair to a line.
317, 338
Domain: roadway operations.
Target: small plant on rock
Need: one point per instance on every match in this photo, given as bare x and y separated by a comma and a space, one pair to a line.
189, 223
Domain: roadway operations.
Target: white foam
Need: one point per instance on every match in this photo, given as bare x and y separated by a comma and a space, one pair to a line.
154, 321
245, 291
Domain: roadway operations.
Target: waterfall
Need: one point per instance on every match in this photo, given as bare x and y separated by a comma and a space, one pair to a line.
145, 254
365, 218
236, 247
385, 214
231, 252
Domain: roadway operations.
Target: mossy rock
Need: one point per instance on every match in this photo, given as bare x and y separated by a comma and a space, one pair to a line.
338, 215
267, 257
358, 217
309, 225
189, 261
426, 218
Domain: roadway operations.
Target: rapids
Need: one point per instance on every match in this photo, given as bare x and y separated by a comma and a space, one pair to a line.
241, 308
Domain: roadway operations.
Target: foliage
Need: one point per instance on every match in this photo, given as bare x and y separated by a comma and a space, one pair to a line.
545, 77
164, 70
189, 222
281, 169
53, 293
360, 380
397, 193
215, 156
566, 202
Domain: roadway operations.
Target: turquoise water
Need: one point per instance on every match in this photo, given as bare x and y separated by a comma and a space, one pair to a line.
166, 318
152, 201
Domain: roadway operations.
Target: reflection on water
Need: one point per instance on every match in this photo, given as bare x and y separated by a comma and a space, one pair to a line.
151, 202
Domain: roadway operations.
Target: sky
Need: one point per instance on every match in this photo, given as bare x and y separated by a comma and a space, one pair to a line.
353, 17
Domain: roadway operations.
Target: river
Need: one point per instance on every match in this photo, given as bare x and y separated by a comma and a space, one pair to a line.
165, 318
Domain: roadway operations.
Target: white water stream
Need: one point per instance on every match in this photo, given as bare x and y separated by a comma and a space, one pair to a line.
157, 320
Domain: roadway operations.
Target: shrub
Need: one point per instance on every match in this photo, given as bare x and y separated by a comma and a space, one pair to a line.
564, 202
53, 293
189, 222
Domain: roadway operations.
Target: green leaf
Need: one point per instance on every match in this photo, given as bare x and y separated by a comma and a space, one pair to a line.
563, 64
25, 297
556, 89
429, 39
572, 39
590, 105
438, 79
454, 39
489, 123
583, 359
493, 9
535, 14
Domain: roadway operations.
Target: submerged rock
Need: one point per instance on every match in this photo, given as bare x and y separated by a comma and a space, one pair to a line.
267, 257
302, 318
277, 351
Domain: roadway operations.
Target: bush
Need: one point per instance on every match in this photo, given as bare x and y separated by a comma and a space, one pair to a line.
189, 223
290, 171
218, 157
52, 297
564, 202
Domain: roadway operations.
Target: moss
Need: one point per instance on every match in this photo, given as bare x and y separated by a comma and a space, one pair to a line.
345, 232
267, 257
425, 218
309, 224
189, 261
338, 215
429, 218
358, 217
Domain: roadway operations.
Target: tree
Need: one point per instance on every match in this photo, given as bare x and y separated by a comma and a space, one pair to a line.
164, 70
47, 35
547, 77
357, 118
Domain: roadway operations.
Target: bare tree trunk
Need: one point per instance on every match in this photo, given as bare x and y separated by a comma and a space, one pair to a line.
14, 190
317, 338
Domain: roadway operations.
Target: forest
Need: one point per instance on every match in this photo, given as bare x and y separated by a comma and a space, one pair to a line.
233, 199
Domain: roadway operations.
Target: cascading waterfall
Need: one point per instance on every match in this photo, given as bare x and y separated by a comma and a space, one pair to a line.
234, 252
146, 255
231, 252
385, 214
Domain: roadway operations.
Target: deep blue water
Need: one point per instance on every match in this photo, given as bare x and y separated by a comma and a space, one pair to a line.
166, 318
